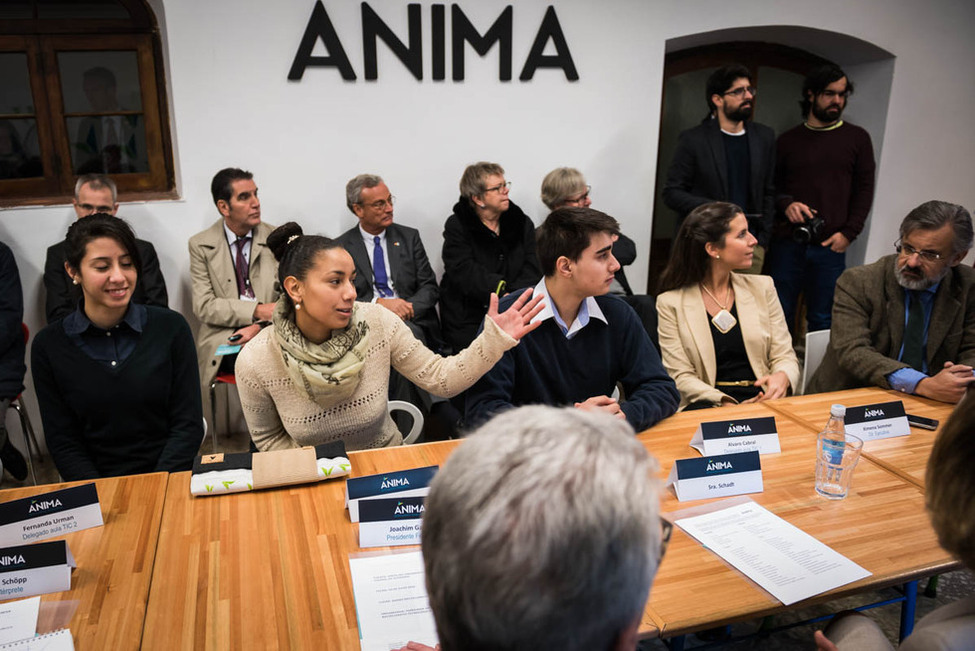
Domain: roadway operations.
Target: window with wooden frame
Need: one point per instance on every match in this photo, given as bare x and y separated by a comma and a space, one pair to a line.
81, 90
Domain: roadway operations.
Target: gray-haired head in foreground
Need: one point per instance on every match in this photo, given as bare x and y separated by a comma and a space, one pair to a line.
932, 215
541, 531
355, 186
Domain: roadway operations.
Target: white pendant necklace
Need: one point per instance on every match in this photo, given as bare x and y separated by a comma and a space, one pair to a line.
723, 320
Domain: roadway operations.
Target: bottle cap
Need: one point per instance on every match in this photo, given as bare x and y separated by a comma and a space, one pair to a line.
838, 411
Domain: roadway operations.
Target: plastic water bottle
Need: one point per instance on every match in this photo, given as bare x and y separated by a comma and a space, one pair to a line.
836, 425
835, 432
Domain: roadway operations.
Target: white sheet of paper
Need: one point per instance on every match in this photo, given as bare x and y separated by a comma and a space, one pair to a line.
781, 558
18, 619
391, 601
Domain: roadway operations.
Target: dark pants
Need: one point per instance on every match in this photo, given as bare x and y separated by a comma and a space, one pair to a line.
808, 268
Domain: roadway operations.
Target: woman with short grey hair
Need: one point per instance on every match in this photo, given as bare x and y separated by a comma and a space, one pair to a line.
489, 248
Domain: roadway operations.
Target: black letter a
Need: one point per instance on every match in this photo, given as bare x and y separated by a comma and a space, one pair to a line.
319, 26
549, 29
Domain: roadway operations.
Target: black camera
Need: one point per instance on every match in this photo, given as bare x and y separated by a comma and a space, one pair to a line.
810, 231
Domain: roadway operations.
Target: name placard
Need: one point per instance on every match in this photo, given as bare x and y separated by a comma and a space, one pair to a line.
402, 483
717, 476
27, 570
50, 515
730, 436
390, 522
880, 421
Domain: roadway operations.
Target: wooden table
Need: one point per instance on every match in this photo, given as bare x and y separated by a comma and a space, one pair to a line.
906, 456
115, 561
270, 569
881, 525
263, 570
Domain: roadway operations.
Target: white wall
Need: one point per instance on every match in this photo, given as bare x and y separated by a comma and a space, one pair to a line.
231, 103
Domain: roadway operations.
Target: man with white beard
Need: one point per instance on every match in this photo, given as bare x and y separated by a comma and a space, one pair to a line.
907, 321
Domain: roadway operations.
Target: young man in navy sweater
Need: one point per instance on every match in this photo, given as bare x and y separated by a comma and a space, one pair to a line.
589, 340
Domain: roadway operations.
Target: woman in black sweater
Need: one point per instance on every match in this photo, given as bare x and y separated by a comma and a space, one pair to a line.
117, 382
489, 246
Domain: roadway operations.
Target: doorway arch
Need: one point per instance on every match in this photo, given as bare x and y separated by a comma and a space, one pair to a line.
779, 57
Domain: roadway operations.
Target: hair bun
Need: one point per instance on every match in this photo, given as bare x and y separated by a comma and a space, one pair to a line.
282, 237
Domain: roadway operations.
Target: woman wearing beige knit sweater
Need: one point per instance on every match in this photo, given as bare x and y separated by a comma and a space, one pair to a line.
321, 373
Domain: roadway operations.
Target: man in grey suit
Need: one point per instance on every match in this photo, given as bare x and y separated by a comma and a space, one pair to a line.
723, 160
392, 270
907, 321
234, 274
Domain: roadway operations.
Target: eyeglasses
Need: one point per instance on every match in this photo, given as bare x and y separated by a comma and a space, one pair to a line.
381, 204
582, 198
666, 529
740, 92
907, 251
504, 187
90, 209
830, 94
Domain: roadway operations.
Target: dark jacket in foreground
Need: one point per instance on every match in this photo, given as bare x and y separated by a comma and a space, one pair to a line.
868, 327
143, 416
546, 368
475, 260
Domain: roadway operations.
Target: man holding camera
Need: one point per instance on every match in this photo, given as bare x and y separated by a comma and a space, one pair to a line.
824, 178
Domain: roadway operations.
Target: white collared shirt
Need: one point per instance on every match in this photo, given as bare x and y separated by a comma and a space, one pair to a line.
589, 309
367, 239
232, 241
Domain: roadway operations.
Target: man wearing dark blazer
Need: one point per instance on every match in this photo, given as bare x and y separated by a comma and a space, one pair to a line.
409, 285
722, 159
392, 270
96, 193
907, 321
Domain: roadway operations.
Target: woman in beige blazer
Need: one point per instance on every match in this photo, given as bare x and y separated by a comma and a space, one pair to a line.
723, 336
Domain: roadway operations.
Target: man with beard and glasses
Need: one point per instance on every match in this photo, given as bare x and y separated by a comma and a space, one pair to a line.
824, 179
722, 160
907, 321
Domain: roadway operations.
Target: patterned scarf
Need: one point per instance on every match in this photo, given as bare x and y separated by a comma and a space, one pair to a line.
328, 372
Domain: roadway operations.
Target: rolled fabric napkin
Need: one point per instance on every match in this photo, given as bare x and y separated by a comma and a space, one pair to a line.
222, 481
218, 474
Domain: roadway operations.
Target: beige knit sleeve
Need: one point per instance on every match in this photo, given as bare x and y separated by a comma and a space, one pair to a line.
444, 376
260, 412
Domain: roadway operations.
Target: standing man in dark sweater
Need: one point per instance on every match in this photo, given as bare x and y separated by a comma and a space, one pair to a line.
824, 178
722, 160
588, 340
